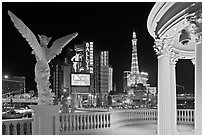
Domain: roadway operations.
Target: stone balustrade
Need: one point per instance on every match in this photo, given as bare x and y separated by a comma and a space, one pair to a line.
17, 126
185, 116
131, 117
90, 122
82, 122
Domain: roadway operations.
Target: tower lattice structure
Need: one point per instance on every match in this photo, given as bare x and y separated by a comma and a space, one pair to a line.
134, 74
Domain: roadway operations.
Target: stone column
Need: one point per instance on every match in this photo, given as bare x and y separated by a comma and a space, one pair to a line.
198, 89
166, 83
173, 95
164, 96
46, 120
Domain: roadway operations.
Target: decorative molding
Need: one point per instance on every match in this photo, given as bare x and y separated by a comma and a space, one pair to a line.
163, 46
195, 27
173, 57
193, 60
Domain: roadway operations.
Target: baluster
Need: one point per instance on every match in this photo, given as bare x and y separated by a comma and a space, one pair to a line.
191, 115
128, 114
146, 116
60, 119
90, 121
77, 122
184, 112
98, 120
139, 115
21, 128
181, 115
154, 114
184, 115
85, 122
135, 115
14, 127
29, 126
109, 115
74, 123
81, 122
104, 120
93, 116
6, 128
62, 123
150, 116
67, 123
101, 117
187, 115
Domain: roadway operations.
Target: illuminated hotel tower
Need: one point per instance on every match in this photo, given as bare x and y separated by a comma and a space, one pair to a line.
134, 74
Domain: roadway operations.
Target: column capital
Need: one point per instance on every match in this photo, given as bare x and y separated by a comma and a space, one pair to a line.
195, 26
193, 60
173, 57
163, 46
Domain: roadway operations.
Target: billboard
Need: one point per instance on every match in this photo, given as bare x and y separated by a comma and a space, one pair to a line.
80, 79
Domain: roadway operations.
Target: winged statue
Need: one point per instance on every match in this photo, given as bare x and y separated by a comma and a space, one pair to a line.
43, 56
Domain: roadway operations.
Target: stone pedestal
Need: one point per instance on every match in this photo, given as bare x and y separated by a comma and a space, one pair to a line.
46, 119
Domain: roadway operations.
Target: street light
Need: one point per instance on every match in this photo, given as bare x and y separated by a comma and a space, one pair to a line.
6, 76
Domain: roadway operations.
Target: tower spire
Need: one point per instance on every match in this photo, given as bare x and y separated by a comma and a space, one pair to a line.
134, 74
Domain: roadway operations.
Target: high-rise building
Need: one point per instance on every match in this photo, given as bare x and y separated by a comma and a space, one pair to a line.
13, 85
102, 77
56, 77
110, 79
126, 80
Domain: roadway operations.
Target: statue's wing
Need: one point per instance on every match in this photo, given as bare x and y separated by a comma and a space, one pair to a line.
28, 35
58, 44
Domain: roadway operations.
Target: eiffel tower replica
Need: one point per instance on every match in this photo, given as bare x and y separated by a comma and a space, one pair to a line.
134, 73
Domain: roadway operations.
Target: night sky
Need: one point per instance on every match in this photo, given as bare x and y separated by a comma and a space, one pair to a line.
108, 25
